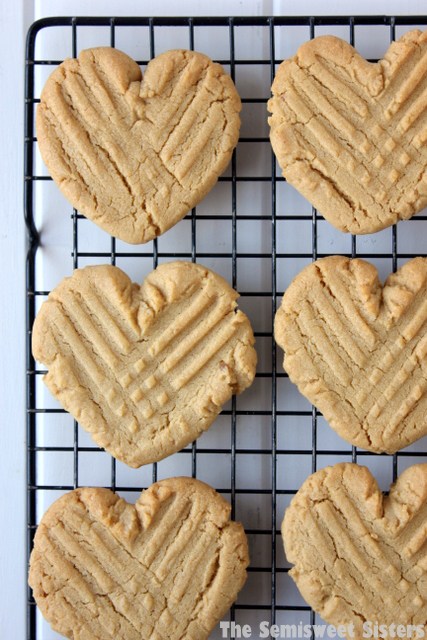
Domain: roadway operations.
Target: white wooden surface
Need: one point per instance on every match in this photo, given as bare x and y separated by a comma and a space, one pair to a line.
15, 17
12, 270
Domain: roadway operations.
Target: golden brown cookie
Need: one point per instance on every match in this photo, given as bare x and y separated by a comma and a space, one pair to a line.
136, 154
360, 557
357, 350
167, 567
145, 369
351, 135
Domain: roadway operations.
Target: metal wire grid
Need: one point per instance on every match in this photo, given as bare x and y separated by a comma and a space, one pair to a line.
276, 608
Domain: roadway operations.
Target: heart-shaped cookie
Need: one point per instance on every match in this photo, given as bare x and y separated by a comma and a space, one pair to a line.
167, 567
358, 351
351, 135
361, 558
144, 369
135, 155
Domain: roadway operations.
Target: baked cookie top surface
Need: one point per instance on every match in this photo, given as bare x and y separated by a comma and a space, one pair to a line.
133, 153
167, 567
145, 369
351, 135
359, 556
357, 350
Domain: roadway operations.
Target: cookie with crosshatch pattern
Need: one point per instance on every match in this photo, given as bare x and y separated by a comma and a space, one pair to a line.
133, 153
358, 556
167, 567
357, 350
351, 135
144, 369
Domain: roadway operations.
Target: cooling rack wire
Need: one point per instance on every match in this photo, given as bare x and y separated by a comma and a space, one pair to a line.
258, 233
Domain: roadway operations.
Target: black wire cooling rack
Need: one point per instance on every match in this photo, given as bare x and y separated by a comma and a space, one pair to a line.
256, 231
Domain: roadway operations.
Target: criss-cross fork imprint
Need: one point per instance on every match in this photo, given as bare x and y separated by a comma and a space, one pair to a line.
166, 568
357, 350
145, 369
351, 135
360, 556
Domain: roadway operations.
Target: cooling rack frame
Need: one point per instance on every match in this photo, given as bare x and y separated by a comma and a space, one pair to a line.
35, 238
